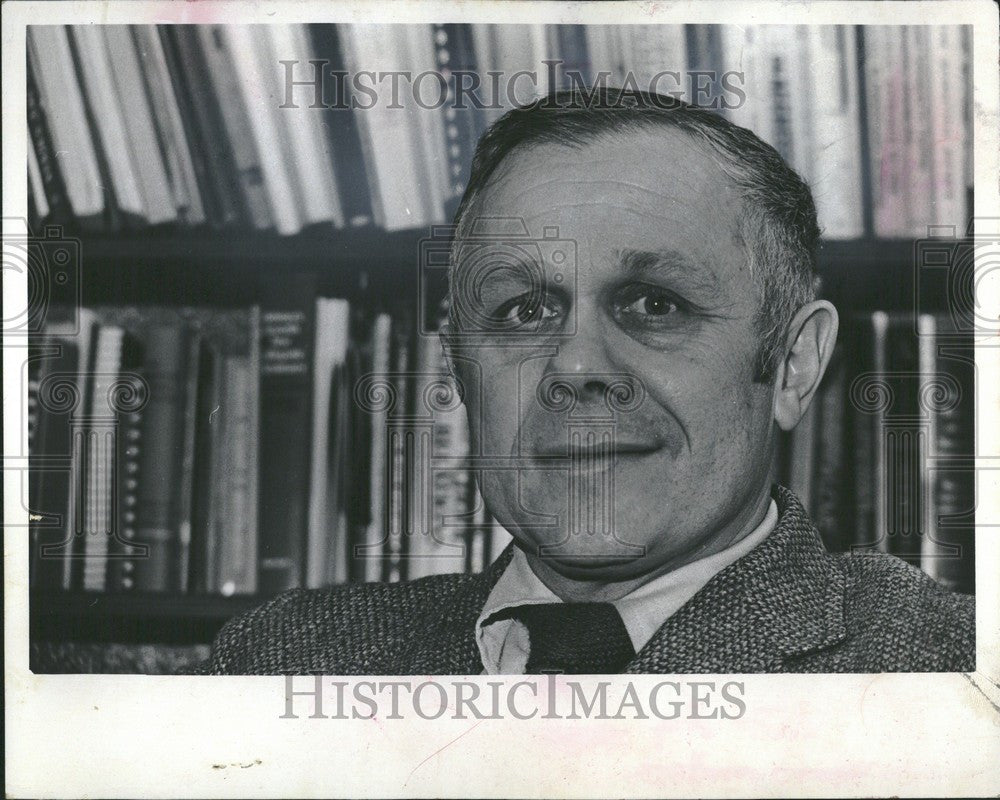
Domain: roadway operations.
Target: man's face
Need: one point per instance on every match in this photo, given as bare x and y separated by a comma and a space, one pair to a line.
661, 298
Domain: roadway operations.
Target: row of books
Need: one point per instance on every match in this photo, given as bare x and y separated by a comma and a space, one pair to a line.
884, 459
220, 124
247, 451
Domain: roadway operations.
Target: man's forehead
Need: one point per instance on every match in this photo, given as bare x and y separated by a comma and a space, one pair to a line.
664, 162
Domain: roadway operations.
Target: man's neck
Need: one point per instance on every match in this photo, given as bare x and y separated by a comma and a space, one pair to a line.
570, 590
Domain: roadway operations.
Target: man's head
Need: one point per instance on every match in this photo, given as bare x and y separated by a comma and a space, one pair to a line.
691, 284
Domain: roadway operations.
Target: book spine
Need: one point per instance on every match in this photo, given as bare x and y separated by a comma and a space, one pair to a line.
204, 535
286, 340
832, 476
885, 86
109, 122
378, 528
249, 52
50, 523
403, 446
162, 438
54, 189
919, 146
343, 139
950, 542
745, 47
222, 70
837, 174
147, 155
185, 510
52, 60
205, 129
169, 127
128, 449
948, 133
332, 318
237, 558
311, 167
463, 126
100, 460
388, 142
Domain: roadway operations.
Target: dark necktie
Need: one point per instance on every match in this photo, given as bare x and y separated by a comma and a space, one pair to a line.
573, 638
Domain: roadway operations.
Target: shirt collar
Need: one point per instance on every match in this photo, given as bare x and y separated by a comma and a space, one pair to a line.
503, 644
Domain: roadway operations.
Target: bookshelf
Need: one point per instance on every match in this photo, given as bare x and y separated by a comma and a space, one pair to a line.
225, 254
212, 268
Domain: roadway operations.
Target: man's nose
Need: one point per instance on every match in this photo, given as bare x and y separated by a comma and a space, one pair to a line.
583, 377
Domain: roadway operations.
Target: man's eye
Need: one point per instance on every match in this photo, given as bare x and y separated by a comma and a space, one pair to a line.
651, 303
523, 311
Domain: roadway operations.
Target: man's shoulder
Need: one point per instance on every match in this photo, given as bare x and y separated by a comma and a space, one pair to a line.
348, 629
899, 618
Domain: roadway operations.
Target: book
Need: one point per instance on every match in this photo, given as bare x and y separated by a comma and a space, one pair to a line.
326, 535
392, 154
463, 121
224, 504
287, 332
222, 71
948, 368
341, 127
369, 552
831, 471
108, 113
147, 155
440, 517
866, 339
651, 50
36, 190
123, 552
308, 159
207, 464
99, 435
248, 50
239, 559
918, 145
57, 368
836, 177
949, 132
885, 89
161, 464
53, 198
212, 158
166, 107
59, 91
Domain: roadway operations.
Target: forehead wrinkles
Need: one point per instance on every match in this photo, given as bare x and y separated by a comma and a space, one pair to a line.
639, 178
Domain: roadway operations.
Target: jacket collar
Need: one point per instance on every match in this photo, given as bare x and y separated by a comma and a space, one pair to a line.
783, 599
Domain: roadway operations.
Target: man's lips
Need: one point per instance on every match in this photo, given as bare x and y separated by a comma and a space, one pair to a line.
595, 452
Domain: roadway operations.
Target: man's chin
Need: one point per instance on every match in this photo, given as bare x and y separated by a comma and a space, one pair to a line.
589, 567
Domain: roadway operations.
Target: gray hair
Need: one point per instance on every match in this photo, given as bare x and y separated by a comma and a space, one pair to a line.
777, 225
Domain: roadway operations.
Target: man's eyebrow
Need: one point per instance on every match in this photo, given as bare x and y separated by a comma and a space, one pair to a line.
668, 263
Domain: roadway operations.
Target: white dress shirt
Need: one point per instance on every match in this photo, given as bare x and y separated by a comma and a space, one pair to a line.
503, 644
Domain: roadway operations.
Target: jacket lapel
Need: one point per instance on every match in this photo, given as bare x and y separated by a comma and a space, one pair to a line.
784, 598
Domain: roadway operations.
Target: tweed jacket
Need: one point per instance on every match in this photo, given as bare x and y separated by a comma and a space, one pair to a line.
787, 606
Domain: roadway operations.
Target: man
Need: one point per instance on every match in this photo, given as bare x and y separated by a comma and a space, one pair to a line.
633, 320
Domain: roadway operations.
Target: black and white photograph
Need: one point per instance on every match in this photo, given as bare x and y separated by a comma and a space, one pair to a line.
504, 346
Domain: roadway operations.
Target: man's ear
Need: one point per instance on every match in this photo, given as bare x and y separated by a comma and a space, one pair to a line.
808, 349
446, 337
